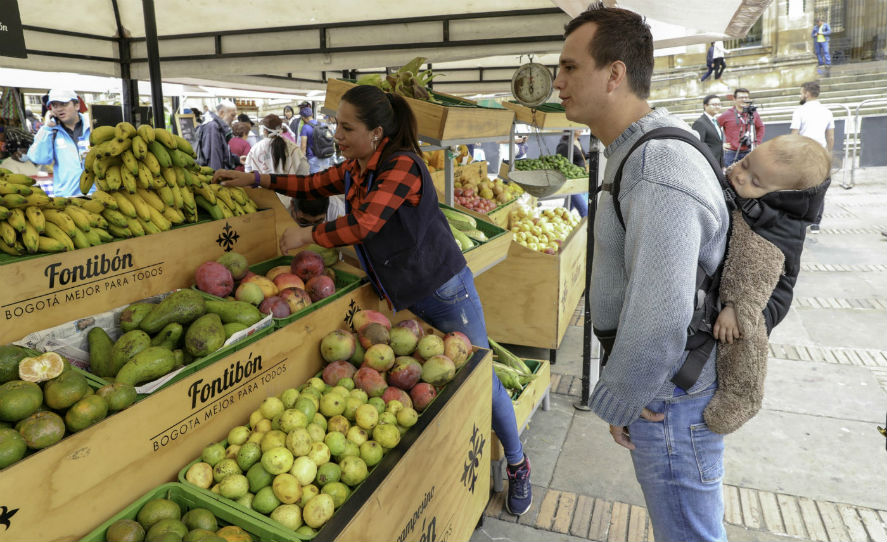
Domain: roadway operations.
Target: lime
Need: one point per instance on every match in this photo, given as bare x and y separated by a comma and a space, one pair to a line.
200, 518
265, 501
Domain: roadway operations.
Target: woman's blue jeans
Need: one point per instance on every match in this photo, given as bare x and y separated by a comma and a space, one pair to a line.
455, 306
580, 203
679, 464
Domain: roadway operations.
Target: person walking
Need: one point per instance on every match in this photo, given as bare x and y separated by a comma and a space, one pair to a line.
815, 121
743, 127
714, 60
213, 136
709, 130
312, 130
644, 275
274, 153
62, 141
820, 35
401, 237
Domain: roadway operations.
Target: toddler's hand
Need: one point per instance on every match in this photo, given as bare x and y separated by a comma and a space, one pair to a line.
726, 328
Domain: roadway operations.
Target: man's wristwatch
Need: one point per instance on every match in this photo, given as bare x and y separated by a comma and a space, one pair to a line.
257, 181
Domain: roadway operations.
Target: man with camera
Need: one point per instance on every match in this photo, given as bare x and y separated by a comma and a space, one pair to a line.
743, 128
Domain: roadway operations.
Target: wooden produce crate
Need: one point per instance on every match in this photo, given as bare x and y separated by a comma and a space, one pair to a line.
475, 171
483, 256
526, 403
48, 290
498, 216
546, 116
529, 298
440, 122
66, 490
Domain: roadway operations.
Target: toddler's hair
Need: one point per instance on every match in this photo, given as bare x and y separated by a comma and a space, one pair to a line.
807, 159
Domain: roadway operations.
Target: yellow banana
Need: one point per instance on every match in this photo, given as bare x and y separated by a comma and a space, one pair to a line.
80, 240
118, 147
113, 178
145, 179
185, 146
90, 159
91, 205
124, 205
7, 233
13, 201
166, 194
226, 211
87, 179
96, 220
158, 219
124, 130
170, 213
103, 234
180, 175
177, 197
58, 203
35, 218
79, 216
9, 249
93, 237
188, 200
139, 148
237, 195
18, 178
4, 213
136, 228
152, 199
56, 233
206, 192
191, 179
222, 193
142, 208
48, 244
129, 181
158, 182
149, 227
250, 207
10, 188
165, 137
215, 211
206, 170
130, 162
17, 220
102, 165
100, 134
115, 218
38, 199
29, 239
146, 132
62, 220
105, 199
159, 151
169, 175
119, 232
151, 161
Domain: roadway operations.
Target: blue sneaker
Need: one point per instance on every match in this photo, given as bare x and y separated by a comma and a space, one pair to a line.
520, 492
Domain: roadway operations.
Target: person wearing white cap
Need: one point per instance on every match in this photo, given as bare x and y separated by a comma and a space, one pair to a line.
62, 141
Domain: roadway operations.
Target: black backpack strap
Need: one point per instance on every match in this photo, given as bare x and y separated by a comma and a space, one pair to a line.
666, 132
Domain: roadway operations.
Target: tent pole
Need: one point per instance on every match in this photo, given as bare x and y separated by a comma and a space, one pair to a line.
153, 63
593, 165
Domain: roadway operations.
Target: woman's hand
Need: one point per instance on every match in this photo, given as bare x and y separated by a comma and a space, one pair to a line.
295, 237
229, 177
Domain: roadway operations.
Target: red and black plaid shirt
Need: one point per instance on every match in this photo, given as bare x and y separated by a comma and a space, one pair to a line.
395, 182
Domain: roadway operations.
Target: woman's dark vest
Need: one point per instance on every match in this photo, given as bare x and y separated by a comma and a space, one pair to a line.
414, 253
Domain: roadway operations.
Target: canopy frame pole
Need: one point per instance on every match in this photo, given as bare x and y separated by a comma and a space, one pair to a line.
154, 63
129, 93
587, 336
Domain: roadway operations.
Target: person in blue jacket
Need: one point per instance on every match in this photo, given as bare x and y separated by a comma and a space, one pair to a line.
62, 141
820, 35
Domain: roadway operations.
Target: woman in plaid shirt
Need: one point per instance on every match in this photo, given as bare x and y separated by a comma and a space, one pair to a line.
402, 239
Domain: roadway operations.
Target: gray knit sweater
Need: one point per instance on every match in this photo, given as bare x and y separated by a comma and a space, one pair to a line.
643, 278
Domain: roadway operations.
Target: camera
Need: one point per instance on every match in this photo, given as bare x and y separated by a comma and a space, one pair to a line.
750, 109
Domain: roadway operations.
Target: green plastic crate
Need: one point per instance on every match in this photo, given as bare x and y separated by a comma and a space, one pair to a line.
188, 499
345, 282
492, 231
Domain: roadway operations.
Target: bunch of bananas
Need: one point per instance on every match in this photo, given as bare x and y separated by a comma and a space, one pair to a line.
31, 221
148, 181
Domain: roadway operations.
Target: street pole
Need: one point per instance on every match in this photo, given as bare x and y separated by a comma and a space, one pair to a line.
593, 165
154, 63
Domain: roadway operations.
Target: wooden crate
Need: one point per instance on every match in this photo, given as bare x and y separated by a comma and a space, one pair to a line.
529, 298
526, 404
42, 292
547, 121
498, 216
437, 486
66, 490
440, 122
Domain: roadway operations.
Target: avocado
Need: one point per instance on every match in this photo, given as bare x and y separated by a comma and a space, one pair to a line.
235, 312
149, 364
169, 336
183, 307
133, 315
232, 328
128, 345
100, 345
205, 335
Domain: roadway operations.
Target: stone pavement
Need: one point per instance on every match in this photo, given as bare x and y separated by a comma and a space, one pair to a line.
810, 466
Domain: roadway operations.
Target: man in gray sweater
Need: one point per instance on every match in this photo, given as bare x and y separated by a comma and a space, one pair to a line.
644, 276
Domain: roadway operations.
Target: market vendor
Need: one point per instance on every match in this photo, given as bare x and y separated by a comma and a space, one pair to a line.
401, 237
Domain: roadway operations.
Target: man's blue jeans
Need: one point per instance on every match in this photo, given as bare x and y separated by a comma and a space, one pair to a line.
731, 156
679, 463
822, 55
316, 164
455, 306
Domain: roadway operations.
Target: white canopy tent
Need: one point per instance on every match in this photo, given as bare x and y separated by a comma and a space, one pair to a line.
296, 46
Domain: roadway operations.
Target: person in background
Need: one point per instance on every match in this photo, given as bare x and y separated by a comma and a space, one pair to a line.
708, 128
14, 151
315, 163
714, 60
253, 136
401, 237
32, 121
815, 121
522, 147
213, 136
62, 141
274, 153
820, 35
239, 144
736, 123
644, 275
292, 121
577, 201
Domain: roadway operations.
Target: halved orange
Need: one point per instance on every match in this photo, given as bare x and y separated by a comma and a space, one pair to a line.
41, 368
